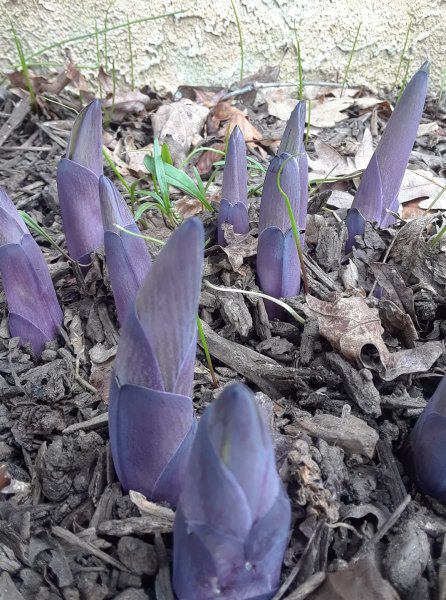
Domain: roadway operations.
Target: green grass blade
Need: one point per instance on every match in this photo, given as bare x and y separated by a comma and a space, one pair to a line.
206, 352
350, 58
240, 37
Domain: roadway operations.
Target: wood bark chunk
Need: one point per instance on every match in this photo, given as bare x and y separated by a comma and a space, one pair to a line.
135, 525
358, 384
350, 433
273, 379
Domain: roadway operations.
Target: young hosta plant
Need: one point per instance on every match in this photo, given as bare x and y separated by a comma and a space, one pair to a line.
293, 137
151, 418
77, 184
381, 181
278, 267
233, 516
128, 260
427, 445
34, 312
234, 193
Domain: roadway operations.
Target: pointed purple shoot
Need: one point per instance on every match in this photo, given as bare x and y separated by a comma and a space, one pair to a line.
427, 446
77, 185
34, 312
278, 267
293, 137
151, 417
234, 193
128, 260
233, 517
381, 182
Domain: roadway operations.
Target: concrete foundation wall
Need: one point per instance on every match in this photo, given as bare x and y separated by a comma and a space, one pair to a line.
201, 46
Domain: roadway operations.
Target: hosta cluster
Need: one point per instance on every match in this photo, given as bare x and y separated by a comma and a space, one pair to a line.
233, 514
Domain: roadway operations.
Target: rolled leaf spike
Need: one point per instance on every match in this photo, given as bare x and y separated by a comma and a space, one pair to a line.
151, 418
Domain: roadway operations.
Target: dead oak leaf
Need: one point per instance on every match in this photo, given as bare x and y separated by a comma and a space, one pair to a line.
224, 114
188, 207
360, 580
179, 124
240, 246
348, 324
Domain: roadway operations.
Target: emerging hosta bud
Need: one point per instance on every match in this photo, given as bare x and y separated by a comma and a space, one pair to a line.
151, 418
278, 267
381, 182
34, 312
128, 260
293, 137
427, 444
234, 193
77, 185
233, 516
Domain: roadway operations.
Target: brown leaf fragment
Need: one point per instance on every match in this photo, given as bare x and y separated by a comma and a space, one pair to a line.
397, 323
224, 114
359, 581
397, 291
188, 207
240, 246
414, 360
417, 259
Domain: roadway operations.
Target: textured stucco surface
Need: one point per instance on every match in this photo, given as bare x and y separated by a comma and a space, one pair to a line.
201, 45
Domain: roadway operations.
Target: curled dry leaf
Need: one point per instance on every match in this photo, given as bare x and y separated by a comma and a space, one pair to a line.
279, 102
350, 325
389, 278
239, 247
361, 579
188, 207
326, 112
223, 114
179, 124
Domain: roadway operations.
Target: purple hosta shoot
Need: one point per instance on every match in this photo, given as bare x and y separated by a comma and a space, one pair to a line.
128, 260
381, 182
293, 137
34, 312
427, 445
151, 418
234, 193
77, 184
233, 516
278, 267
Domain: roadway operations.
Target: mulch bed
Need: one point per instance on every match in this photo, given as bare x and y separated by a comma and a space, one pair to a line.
69, 532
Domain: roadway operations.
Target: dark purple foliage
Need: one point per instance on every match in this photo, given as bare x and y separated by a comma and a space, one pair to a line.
234, 193
278, 267
233, 516
128, 260
34, 312
77, 185
427, 444
151, 417
381, 182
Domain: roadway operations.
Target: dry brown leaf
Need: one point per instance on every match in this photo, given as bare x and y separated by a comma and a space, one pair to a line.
135, 156
365, 150
179, 124
206, 95
326, 112
188, 207
224, 113
124, 103
240, 246
349, 324
328, 162
279, 102
359, 581
389, 278
208, 158
422, 184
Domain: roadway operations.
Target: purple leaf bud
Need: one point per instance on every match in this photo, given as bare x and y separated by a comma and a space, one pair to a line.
77, 185
381, 182
151, 417
233, 517
34, 312
128, 260
278, 267
293, 137
234, 193
427, 446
